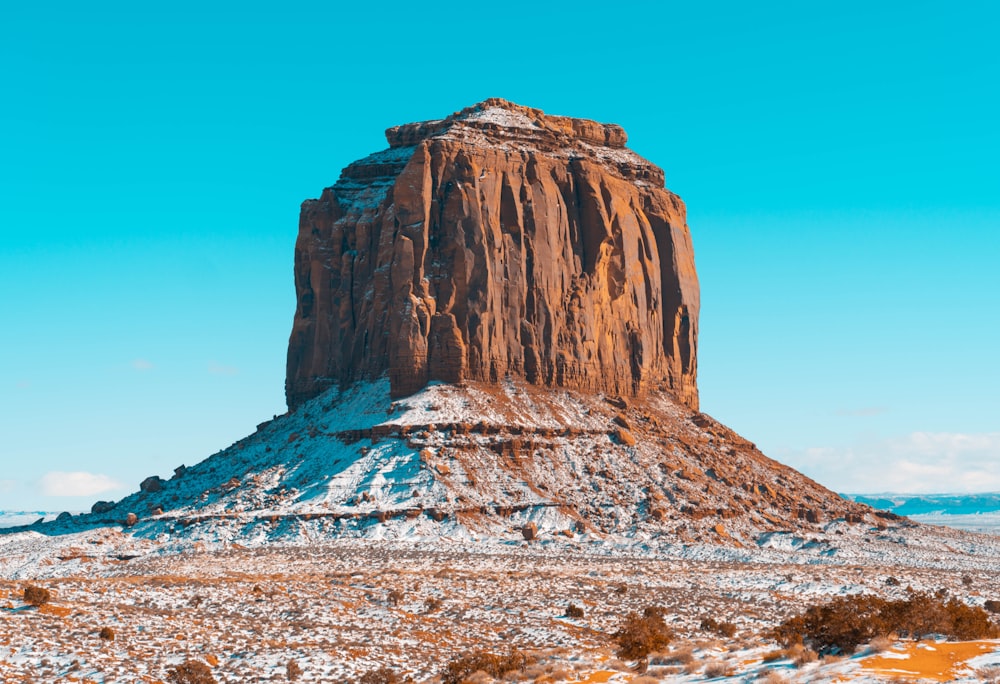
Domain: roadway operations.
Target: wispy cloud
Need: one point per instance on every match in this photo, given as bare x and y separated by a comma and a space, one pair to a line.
7, 486
142, 364
59, 483
918, 463
219, 369
863, 412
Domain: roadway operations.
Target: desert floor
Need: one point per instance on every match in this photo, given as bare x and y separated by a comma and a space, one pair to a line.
341, 610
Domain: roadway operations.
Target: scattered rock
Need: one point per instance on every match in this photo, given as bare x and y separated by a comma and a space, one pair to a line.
131, 519
530, 531
624, 437
617, 402
151, 484
102, 507
809, 515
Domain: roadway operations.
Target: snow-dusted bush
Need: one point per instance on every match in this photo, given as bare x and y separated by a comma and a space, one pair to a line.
191, 672
640, 635
848, 621
36, 596
457, 671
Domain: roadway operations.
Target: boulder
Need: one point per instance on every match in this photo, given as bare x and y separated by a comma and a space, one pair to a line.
102, 507
151, 484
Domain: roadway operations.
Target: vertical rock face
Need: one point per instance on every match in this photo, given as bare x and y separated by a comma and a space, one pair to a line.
498, 241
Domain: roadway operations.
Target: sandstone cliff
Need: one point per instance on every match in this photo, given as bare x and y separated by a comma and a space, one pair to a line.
497, 242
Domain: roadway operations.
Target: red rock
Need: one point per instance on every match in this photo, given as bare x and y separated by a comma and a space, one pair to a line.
530, 531
499, 241
624, 437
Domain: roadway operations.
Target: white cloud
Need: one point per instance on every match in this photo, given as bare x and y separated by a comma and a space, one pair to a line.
142, 364
218, 369
58, 483
7, 486
918, 463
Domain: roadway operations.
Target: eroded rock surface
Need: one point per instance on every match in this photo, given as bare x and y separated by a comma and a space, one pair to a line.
497, 242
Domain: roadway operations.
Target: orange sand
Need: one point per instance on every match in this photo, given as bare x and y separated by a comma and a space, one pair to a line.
940, 662
598, 677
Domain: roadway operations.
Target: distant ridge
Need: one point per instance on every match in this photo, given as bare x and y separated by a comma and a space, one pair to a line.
925, 504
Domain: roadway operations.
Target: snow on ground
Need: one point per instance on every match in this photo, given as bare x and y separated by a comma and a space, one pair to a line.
360, 532
344, 607
988, 523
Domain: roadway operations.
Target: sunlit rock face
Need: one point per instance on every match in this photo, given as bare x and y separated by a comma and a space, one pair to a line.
497, 242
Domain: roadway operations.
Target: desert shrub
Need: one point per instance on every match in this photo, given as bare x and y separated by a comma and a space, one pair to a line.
881, 643
677, 656
395, 597
801, 655
383, 675
796, 653
574, 611
726, 629
967, 580
457, 671
640, 635
992, 606
191, 672
432, 604
772, 677
717, 668
292, 670
848, 621
988, 675
36, 596
107, 634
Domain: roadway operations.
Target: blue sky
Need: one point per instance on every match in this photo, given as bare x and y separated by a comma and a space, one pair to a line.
839, 163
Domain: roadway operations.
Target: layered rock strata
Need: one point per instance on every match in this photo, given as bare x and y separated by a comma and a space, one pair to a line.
497, 242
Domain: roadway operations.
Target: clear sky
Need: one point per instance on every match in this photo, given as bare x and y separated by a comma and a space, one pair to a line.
839, 162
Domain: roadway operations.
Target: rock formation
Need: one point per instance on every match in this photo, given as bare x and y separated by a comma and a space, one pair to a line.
497, 242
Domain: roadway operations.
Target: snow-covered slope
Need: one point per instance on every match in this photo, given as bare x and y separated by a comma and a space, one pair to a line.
480, 460
487, 464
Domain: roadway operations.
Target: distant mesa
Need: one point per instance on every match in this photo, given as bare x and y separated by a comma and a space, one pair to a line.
497, 242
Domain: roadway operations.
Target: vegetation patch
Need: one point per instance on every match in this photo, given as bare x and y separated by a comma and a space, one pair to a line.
849, 621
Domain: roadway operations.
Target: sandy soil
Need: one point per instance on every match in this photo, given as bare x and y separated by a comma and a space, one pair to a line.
346, 608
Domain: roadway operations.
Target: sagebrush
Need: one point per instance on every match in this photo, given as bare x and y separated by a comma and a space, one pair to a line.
846, 622
640, 635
